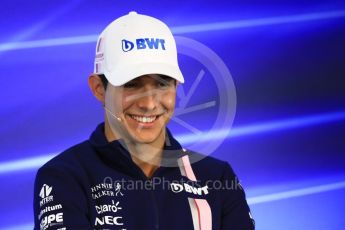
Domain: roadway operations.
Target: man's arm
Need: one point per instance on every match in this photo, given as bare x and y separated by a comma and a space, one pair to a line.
59, 201
235, 211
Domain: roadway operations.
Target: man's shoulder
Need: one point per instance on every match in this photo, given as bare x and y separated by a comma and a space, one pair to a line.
202, 159
69, 158
209, 166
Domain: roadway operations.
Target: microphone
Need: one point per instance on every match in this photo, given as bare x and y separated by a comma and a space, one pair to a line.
116, 117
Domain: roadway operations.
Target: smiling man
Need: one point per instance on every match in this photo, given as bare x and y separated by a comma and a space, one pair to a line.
143, 106
132, 173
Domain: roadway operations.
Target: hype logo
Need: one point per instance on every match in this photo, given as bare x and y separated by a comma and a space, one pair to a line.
143, 43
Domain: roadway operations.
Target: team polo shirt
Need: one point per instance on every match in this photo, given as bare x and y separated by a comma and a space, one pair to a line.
96, 185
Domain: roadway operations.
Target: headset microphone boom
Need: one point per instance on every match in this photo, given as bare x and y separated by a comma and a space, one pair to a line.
112, 114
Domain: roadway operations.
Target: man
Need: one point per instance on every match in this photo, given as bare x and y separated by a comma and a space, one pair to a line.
131, 173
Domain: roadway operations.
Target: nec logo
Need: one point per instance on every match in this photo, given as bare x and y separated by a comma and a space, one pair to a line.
143, 43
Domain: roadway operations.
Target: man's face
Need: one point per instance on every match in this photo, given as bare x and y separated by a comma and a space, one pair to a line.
144, 105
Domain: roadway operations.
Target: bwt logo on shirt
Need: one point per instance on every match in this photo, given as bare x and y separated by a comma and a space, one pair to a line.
176, 188
143, 43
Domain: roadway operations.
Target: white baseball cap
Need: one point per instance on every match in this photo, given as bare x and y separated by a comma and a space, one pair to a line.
135, 45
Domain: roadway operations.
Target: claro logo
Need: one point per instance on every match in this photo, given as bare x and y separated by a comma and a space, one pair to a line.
143, 43
176, 188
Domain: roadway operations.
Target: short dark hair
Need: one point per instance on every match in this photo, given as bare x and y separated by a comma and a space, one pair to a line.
104, 80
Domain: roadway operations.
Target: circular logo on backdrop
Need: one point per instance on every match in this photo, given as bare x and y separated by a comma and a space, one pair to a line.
207, 99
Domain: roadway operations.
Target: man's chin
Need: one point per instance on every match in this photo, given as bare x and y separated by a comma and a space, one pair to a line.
145, 139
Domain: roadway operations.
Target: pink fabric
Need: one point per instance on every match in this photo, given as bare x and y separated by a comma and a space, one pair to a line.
204, 210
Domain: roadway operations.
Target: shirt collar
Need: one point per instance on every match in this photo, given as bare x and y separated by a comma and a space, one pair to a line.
113, 150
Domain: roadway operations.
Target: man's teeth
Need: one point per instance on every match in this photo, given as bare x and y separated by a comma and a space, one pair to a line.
144, 119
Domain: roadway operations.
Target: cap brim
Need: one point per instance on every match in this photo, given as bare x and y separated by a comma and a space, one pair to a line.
121, 75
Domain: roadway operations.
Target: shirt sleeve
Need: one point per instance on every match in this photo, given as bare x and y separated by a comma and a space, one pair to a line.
235, 210
59, 201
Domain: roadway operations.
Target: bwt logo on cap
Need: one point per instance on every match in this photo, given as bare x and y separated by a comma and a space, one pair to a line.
143, 43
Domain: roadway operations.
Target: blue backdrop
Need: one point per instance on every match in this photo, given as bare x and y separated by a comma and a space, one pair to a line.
287, 62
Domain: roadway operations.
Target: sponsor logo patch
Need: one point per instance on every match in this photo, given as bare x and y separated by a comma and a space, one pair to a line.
109, 220
45, 192
176, 188
143, 43
101, 190
51, 220
49, 209
114, 207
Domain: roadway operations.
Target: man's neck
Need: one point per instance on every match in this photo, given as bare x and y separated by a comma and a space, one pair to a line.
147, 158
146, 155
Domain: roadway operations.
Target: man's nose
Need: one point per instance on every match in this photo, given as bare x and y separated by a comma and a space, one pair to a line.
148, 99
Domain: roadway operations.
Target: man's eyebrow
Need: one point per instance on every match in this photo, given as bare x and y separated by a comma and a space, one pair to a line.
164, 78
159, 77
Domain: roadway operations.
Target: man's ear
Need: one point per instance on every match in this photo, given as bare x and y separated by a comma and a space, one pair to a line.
97, 87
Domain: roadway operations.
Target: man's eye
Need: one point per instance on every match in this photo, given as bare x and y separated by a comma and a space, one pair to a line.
163, 84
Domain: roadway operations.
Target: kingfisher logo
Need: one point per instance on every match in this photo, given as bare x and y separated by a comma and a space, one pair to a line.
143, 43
